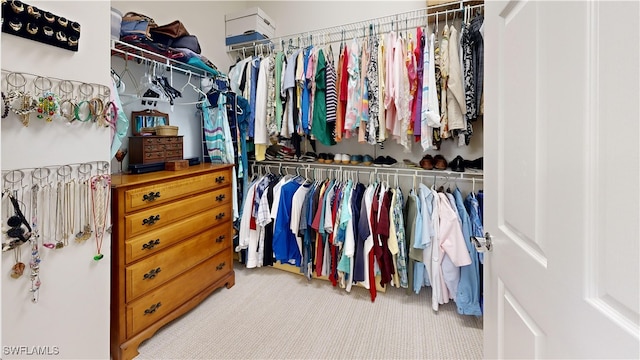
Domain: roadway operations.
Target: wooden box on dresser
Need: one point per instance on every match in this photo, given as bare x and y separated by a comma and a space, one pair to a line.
172, 246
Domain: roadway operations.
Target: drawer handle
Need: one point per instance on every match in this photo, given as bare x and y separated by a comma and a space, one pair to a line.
221, 266
220, 197
151, 220
151, 196
220, 238
151, 274
152, 309
151, 244
219, 216
220, 179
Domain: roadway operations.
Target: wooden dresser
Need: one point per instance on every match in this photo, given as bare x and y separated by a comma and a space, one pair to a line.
154, 149
172, 246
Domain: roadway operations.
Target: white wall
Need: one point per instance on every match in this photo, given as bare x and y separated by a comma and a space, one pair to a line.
73, 309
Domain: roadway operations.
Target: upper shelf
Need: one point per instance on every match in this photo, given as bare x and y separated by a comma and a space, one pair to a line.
128, 51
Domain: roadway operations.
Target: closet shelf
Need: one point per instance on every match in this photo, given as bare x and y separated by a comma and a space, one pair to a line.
398, 22
128, 51
470, 174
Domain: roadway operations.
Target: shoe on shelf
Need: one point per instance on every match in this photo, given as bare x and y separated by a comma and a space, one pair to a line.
322, 158
427, 162
356, 159
367, 160
457, 164
474, 164
410, 164
345, 159
440, 163
389, 161
379, 161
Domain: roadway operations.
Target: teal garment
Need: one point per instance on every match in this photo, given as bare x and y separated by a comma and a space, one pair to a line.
319, 124
345, 215
122, 123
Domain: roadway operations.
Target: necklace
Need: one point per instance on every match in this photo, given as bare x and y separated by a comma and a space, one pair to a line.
85, 217
100, 200
34, 264
48, 221
69, 211
59, 217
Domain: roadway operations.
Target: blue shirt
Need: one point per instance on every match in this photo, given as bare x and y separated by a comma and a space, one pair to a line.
285, 246
468, 296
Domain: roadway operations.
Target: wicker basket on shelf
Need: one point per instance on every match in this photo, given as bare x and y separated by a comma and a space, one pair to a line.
167, 130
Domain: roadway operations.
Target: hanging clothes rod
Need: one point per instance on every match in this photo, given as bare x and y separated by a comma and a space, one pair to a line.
396, 22
400, 171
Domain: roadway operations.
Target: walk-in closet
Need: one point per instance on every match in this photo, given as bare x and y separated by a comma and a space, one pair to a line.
320, 179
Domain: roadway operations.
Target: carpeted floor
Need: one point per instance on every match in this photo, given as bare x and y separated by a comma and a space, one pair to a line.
273, 314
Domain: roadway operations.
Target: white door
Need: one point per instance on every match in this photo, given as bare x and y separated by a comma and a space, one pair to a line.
562, 179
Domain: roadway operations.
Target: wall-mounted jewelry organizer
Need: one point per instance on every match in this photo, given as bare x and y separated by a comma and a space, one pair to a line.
32, 23
37, 97
50, 208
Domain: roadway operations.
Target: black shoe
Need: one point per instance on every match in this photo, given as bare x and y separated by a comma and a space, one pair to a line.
474, 164
457, 164
379, 161
389, 161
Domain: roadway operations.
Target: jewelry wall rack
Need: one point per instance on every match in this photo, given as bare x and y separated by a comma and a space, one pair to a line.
31, 96
47, 207
32, 23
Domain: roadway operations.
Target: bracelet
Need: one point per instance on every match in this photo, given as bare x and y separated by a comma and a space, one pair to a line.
111, 114
76, 111
33, 11
17, 6
70, 114
96, 106
32, 28
47, 106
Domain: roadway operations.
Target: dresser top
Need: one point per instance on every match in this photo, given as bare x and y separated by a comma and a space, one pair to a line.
125, 180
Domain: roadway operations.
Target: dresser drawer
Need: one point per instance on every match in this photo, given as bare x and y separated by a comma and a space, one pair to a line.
162, 215
161, 301
173, 154
149, 156
161, 238
150, 195
154, 271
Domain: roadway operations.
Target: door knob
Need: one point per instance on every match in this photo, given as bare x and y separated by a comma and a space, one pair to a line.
482, 244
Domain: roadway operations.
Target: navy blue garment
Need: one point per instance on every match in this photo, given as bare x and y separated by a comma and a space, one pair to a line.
255, 67
362, 234
356, 206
